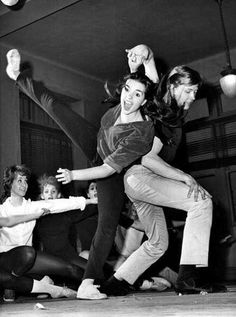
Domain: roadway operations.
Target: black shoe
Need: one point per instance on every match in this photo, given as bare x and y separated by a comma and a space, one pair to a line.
188, 287
214, 288
114, 287
9, 295
191, 287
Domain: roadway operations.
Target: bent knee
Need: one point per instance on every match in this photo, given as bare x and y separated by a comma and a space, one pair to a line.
29, 254
207, 206
156, 250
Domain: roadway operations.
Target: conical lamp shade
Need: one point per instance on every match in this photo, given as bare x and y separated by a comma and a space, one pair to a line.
228, 85
9, 2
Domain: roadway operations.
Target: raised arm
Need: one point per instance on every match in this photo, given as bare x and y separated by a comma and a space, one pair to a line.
142, 54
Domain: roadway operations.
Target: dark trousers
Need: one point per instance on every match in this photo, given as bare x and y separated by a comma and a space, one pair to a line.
111, 199
81, 132
110, 190
20, 263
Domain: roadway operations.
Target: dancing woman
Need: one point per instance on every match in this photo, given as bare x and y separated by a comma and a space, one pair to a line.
125, 135
155, 184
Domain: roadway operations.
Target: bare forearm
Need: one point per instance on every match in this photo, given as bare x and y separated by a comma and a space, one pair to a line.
92, 173
151, 71
160, 167
15, 220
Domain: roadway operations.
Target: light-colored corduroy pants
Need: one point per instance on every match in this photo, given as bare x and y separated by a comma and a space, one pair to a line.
149, 192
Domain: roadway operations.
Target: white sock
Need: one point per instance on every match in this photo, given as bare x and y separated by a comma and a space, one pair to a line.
13, 67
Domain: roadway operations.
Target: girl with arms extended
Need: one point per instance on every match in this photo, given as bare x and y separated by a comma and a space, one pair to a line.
18, 259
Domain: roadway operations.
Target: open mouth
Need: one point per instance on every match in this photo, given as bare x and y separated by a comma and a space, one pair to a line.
127, 105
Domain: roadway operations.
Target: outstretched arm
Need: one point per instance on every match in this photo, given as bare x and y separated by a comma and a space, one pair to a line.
59, 205
66, 176
142, 54
15, 220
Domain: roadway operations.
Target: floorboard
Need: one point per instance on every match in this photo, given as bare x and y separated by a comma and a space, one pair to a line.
145, 304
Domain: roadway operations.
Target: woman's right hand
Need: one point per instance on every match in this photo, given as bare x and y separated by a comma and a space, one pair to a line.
44, 212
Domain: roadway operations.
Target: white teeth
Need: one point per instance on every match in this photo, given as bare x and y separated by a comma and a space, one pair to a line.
128, 103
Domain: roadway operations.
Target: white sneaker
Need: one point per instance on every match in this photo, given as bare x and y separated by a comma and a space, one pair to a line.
68, 292
58, 292
47, 279
156, 284
84, 254
90, 292
13, 67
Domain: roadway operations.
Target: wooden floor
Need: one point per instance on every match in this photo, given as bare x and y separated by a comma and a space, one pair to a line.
145, 304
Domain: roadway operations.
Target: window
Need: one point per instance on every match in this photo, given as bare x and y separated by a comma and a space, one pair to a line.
44, 147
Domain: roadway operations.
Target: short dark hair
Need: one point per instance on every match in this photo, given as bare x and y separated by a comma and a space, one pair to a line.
150, 87
10, 174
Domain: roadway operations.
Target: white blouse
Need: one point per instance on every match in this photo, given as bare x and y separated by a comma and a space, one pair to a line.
21, 234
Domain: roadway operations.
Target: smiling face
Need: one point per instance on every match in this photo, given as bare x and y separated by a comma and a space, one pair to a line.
184, 94
132, 96
19, 185
50, 192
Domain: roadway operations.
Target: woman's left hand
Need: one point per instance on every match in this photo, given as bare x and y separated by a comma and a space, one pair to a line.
64, 175
138, 55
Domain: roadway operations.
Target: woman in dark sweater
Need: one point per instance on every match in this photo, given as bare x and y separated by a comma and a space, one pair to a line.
125, 135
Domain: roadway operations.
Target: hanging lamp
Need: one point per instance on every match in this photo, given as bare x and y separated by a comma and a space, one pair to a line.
228, 80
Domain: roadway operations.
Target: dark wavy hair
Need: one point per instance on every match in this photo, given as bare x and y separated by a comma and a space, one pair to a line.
150, 90
167, 111
9, 176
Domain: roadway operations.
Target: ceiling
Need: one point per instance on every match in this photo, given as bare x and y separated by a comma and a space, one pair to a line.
89, 36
